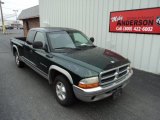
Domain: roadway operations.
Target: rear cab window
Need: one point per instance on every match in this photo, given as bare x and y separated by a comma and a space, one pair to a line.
30, 36
40, 37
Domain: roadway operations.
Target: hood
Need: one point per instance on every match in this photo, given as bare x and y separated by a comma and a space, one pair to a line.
96, 59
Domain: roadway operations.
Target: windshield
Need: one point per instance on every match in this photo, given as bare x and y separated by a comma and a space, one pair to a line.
71, 40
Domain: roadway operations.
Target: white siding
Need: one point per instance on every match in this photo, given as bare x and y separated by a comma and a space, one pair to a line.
92, 17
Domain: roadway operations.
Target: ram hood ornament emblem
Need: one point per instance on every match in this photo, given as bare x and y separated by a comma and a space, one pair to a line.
112, 61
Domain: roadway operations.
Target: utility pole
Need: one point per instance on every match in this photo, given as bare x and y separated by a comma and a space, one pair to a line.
16, 17
3, 27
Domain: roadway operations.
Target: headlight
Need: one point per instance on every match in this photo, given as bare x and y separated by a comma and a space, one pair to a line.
89, 83
130, 68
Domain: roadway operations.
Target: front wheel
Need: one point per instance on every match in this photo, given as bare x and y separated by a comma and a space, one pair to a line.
63, 91
18, 62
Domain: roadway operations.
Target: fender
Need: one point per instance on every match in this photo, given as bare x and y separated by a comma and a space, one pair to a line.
61, 70
14, 46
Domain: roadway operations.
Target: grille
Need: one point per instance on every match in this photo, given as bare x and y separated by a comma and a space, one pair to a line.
114, 74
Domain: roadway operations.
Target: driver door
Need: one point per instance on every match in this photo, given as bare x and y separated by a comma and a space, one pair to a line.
39, 55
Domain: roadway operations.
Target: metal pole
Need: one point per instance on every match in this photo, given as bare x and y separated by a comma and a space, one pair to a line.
16, 17
3, 26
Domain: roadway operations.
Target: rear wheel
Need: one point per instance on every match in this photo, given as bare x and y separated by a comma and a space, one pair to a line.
18, 62
63, 91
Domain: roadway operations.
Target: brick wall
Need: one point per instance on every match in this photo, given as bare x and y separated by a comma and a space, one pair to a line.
30, 23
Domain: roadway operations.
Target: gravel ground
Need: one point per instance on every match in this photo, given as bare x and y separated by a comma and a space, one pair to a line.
24, 95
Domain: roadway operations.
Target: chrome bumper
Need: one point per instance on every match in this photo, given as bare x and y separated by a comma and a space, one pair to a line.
98, 93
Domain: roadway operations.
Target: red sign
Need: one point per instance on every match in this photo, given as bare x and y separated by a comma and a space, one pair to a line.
136, 21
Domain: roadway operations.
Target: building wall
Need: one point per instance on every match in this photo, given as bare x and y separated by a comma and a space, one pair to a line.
92, 17
32, 23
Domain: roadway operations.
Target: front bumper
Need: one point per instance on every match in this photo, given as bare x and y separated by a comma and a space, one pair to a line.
101, 92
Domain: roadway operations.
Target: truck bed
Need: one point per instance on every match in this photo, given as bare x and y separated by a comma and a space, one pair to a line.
21, 38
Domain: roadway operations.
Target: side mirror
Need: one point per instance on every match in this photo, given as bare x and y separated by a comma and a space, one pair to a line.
38, 45
92, 39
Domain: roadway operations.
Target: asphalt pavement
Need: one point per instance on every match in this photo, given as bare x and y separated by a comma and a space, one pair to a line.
24, 95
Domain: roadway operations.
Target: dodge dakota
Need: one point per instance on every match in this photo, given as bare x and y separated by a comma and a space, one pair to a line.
72, 64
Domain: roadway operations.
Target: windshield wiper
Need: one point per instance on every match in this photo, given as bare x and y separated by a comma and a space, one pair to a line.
85, 45
65, 48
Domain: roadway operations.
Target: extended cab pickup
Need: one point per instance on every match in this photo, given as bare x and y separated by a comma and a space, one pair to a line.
72, 64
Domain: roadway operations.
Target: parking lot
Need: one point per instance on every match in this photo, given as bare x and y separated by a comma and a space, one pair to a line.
24, 95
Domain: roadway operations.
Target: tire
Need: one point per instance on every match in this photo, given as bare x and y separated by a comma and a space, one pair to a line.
63, 91
19, 63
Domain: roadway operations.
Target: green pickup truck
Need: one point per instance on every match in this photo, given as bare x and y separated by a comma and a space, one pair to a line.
72, 64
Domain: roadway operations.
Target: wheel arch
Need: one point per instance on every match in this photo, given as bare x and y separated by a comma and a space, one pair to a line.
15, 49
54, 70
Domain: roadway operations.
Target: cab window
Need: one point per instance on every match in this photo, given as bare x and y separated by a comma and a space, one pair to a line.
30, 36
79, 38
40, 37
